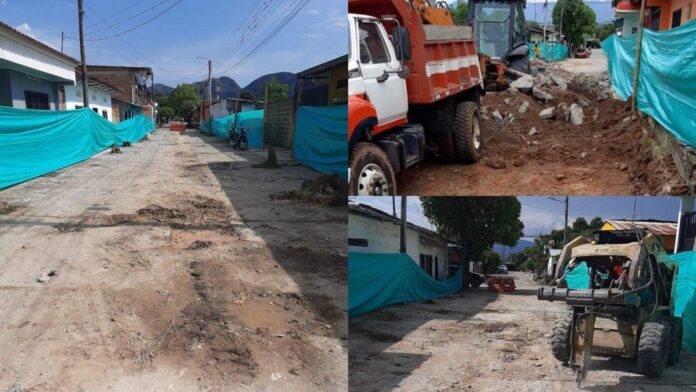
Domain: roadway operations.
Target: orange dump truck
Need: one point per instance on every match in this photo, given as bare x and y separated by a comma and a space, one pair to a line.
413, 85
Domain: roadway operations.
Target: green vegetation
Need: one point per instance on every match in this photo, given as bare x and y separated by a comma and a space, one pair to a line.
459, 13
578, 20
476, 223
184, 100
276, 90
602, 31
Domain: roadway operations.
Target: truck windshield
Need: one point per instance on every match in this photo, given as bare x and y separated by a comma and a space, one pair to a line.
493, 28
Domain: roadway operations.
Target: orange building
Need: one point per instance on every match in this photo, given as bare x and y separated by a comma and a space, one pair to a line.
660, 15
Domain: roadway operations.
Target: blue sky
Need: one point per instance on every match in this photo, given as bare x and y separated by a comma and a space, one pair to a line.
171, 43
540, 215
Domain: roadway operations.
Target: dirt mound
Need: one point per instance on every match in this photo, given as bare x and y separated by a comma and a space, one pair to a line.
7, 208
325, 189
189, 212
607, 134
200, 244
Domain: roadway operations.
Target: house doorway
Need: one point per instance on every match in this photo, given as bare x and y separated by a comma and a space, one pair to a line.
34, 100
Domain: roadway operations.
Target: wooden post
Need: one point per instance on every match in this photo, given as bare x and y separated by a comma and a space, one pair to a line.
636, 69
265, 113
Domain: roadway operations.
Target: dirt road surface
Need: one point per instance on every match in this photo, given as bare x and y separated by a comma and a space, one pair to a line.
169, 268
610, 153
483, 341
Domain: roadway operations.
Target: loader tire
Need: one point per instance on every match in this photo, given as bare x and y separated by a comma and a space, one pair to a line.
560, 338
467, 132
653, 348
675, 342
368, 160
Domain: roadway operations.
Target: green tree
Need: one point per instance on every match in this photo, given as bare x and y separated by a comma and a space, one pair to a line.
276, 89
490, 261
596, 223
165, 113
247, 95
187, 109
602, 31
578, 20
184, 93
460, 13
162, 100
475, 223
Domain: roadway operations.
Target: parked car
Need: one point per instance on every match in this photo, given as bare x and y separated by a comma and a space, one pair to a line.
502, 269
476, 279
583, 53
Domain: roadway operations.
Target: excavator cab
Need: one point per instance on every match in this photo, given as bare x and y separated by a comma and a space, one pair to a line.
501, 38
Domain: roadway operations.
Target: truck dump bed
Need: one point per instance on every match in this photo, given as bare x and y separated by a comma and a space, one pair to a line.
444, 58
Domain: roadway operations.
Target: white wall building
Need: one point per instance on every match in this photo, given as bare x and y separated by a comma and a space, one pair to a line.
227, 106
31, 71
374, 231
99, 98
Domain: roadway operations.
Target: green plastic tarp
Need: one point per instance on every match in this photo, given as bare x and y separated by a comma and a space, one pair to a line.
251, 121
684, 294
667, 76
549, 51
36, 142
380, 279
320, 140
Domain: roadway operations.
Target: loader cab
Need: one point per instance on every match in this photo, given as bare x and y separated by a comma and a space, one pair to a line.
501, 31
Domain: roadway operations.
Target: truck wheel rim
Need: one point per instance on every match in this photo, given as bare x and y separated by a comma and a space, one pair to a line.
476, 134
372, 181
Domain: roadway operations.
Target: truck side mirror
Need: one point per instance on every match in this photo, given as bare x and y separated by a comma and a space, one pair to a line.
402, 43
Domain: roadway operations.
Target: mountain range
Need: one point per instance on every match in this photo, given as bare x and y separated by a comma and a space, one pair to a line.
229, 88
520, 246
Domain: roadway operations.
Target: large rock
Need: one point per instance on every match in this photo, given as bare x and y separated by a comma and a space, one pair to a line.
523, 83
498, 117
523, 107
576, 114
540, 93
560, 82
547, 113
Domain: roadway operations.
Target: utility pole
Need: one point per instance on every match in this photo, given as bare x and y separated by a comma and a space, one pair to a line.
210, 92
81, 15
565, 227
546, 7
560, 33
61, 41
403, 225
394, 206
636, 69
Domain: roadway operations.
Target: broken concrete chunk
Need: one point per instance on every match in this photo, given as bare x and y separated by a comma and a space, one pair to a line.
583, 101
498, 117
533, 131
547, 113
626, 121
540, 93
523, 83
523, 108
563, 109
576, 114
560, 82
507, 101
583, 155
595, 115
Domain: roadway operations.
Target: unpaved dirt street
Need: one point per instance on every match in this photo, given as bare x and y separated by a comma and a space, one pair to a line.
610, 153
483, 341
169, 268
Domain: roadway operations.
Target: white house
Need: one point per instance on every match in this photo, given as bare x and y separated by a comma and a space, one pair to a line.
227, 106
373, 231
99, 97
31, 72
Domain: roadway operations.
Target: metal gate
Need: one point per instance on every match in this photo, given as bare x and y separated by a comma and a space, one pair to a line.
279, 119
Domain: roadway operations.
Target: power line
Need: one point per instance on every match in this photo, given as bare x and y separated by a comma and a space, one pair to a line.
300, 5
129, 18
137, 26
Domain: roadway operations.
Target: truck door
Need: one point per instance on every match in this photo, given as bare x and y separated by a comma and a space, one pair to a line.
378, 66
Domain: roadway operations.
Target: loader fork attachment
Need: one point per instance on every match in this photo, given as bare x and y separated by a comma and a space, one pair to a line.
582, 333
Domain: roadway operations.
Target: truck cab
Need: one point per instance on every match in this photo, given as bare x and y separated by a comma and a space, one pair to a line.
501, 31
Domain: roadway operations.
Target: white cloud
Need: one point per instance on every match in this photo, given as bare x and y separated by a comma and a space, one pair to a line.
26, 29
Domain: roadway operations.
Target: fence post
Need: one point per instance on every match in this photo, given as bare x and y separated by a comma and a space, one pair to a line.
636, 70
265, 113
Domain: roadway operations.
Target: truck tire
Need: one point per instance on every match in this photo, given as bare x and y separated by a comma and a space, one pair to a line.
520, 63
560, 338
467, 132
370, 171
446, 147
675, 342
653, 349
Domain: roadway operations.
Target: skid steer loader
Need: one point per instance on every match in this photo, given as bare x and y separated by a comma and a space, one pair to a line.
619, 289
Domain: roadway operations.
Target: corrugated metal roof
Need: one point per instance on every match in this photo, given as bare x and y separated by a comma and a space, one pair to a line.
655, 227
